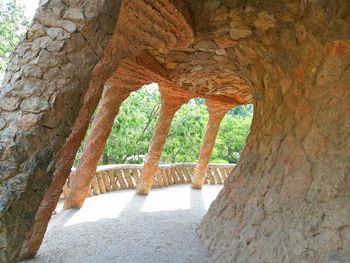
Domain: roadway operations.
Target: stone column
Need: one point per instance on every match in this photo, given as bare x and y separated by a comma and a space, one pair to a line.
34, 237
170, 103
288, 199
40, 101
95, 143
217, 111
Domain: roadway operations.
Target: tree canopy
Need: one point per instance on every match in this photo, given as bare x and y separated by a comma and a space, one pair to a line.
13, 24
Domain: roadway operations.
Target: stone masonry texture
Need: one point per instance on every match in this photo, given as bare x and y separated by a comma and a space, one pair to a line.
40, 98
288, 199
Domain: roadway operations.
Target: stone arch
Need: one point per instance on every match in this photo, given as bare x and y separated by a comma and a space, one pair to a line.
129, 77
288, 198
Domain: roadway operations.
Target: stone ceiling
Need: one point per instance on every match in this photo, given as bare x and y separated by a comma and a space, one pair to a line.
208, 66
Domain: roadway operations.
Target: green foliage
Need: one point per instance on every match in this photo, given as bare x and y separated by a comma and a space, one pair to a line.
13, 25
231, 138
133, 129
242, 112
186, 133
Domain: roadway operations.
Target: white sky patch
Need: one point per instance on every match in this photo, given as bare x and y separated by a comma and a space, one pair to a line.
30, 7
153, 87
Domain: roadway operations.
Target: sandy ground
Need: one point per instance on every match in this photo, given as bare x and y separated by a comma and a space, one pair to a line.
124, 227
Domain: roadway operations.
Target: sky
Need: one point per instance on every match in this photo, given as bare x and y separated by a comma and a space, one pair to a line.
30, 7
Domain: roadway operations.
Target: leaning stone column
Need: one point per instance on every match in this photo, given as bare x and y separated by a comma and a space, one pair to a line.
104, 69
40, 99
170, 103
34, 237
217, 111
95, 143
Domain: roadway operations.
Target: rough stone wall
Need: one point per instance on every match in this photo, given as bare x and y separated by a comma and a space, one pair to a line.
205, 68
288, 200
39, 100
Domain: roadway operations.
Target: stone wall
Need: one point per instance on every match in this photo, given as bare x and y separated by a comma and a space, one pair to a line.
288, 200
40, 98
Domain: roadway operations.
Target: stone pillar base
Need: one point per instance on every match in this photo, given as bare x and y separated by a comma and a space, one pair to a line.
143, 189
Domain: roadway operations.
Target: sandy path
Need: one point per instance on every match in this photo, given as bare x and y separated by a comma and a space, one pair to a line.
124, 227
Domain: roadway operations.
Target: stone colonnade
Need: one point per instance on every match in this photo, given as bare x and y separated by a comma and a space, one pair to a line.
287, 199
171, 101
128, 78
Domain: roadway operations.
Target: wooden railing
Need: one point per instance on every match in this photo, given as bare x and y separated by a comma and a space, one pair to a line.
126, 176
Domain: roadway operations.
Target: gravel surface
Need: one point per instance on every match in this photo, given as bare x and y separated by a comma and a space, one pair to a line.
124, 227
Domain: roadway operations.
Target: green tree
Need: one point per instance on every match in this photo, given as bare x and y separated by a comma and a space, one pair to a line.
133, 128
186, 133
243, 111
13, 25
231, 139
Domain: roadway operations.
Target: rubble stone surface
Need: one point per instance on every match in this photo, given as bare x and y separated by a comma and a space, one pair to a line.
287, 199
